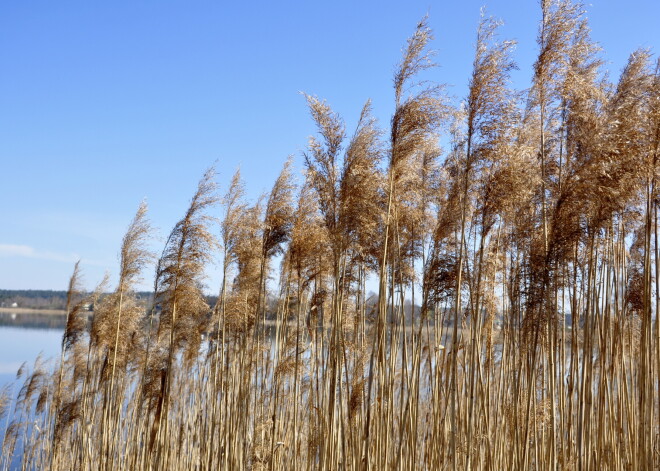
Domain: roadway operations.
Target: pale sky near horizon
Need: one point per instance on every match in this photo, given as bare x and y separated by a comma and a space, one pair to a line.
105, 104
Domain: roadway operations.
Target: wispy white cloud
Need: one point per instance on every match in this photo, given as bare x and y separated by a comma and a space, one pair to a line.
11, 250
26, 251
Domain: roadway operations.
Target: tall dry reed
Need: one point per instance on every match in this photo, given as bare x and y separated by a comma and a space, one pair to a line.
515, 324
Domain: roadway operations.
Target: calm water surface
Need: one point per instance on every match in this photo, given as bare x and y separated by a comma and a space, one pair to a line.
23, 337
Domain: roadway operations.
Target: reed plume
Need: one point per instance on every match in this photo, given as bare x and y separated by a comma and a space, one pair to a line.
118, 317
533, 237
184, 313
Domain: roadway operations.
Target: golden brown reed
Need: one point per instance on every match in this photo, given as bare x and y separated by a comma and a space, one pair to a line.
515, 324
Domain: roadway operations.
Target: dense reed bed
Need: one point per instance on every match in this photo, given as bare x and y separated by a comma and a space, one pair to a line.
528, 250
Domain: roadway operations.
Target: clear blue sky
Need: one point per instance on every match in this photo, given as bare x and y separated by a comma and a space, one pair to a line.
103, 104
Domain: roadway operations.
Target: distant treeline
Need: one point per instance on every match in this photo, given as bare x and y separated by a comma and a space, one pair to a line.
35, 299
49, 299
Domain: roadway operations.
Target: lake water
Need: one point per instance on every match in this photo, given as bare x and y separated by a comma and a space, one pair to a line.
23, 337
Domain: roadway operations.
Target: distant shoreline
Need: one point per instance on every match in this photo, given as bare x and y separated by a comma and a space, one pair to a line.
24, 310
